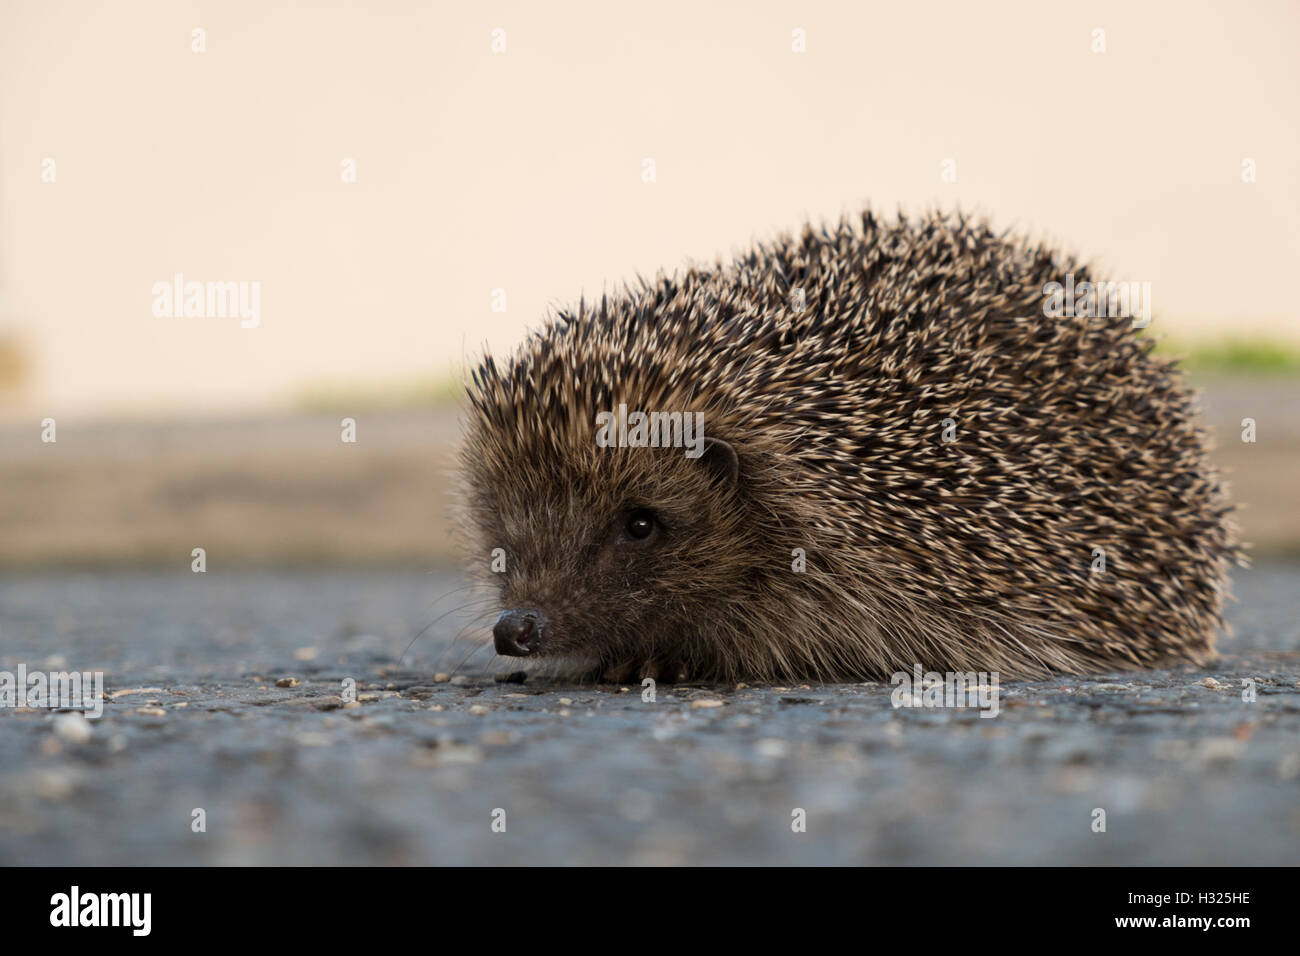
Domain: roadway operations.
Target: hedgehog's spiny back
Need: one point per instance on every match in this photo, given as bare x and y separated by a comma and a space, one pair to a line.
840, 354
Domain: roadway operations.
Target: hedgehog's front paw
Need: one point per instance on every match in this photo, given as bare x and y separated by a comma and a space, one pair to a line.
664, 671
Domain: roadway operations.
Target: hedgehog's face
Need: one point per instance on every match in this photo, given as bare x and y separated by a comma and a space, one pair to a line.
609, 556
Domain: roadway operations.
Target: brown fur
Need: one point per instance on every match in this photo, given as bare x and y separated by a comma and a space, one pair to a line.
973, 555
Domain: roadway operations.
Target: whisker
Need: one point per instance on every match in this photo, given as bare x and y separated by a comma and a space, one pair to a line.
465, 660
424, 630
474, 622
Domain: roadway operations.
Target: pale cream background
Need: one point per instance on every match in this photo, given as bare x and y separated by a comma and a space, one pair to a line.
522, 170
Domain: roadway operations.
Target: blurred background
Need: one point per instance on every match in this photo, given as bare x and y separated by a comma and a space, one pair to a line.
407, 182
403, 182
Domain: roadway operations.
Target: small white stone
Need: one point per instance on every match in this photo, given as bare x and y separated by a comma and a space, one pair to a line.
74, 728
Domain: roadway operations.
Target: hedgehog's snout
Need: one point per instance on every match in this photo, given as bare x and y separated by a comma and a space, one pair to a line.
518, 632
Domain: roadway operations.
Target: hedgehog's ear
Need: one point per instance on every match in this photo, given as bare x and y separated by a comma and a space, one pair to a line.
721, 460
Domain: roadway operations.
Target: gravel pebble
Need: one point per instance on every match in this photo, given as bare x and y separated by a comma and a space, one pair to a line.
73, 728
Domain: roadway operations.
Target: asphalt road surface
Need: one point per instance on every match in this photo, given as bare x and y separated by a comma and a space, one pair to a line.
423, 769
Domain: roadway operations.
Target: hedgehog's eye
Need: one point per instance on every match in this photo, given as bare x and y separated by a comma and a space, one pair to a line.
640, 524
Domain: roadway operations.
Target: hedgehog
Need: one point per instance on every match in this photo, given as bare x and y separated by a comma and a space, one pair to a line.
889, 455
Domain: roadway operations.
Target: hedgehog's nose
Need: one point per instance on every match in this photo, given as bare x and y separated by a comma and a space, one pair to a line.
518, 632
